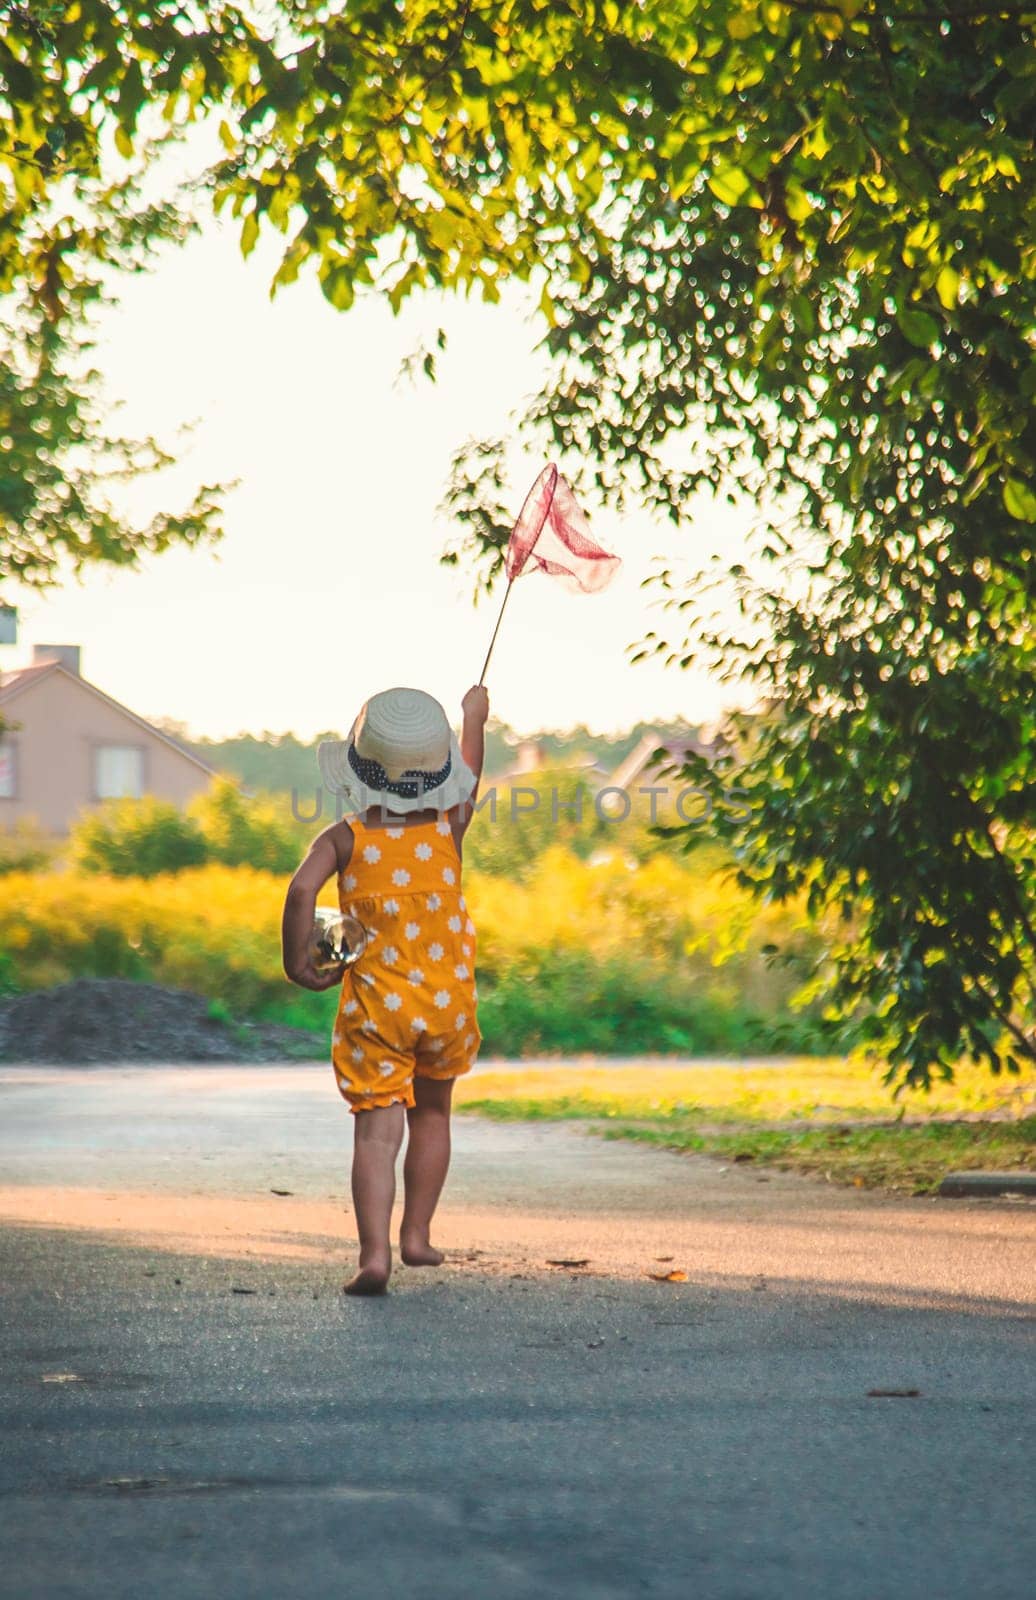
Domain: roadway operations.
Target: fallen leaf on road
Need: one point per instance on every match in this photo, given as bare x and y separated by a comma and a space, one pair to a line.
282, 1191
235, 1290
663, 1258
594, 1344
60, 1377
892, 1394
745, 1155
584, 1261
676, 1276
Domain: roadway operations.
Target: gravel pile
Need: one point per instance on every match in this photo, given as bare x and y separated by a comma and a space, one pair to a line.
111, 1019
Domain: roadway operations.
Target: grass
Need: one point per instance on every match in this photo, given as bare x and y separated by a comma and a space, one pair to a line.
829, 1118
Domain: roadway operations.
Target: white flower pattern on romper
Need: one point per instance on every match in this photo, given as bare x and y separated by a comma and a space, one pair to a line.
357, 1052
392, 1002
349, 882
415, 975
448, 875
395, 833
386, 1068
453, 923
423, 851
371, 853
462, 1017
442, 998
390, 955
349, 1007
391, 906
436, 951
412, 930
419, 1025
433, 902
469, 926
442, 826
401, 876
460, 970
460, 902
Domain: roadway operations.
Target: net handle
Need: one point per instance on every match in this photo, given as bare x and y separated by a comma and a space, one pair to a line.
496, 630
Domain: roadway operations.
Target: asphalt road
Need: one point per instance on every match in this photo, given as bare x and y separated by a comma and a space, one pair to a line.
503, 1428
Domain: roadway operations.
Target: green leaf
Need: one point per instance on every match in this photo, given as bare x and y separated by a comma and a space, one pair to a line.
947, 287
918, 326
730, 185
337, 285
1020, 500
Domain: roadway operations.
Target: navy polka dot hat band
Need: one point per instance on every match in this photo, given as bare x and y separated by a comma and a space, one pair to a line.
401, 755
410, 786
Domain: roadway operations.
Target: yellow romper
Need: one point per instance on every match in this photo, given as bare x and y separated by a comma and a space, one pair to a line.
408, 1005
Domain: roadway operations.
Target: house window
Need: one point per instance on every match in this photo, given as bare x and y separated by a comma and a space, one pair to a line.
8, 771
118, 771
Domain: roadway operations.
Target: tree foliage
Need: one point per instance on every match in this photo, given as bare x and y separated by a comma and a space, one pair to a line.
90, 95
786, 251
782, 249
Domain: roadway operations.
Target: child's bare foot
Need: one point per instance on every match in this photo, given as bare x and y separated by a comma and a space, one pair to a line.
372, 1278
417, 1252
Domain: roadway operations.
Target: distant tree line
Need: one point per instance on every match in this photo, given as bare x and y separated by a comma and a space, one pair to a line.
277, 763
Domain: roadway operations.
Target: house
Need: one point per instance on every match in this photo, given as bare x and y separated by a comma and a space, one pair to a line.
641, 767
65, 745
531, 758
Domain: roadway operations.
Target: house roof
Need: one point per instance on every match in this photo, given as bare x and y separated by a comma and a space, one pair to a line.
12, 682
15, 683
639, 759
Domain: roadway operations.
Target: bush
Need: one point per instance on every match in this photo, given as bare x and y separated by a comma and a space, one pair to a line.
213, 930
240, 832
137, 838
25, 847
585, 955
144, 838
554, 809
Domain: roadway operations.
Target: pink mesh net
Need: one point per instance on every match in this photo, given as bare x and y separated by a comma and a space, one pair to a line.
552, 535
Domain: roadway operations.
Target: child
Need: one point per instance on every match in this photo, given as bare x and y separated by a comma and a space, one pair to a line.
406, 1022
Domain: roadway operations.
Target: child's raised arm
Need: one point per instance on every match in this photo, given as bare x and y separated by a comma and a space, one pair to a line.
322, 862
475, 706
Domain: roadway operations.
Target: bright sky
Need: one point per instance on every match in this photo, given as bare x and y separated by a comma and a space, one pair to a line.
327, 585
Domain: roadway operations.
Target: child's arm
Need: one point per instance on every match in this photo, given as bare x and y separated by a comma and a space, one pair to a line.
322, 862
475, 706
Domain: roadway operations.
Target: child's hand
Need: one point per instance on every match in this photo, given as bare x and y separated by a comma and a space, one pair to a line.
475, 704
307, 977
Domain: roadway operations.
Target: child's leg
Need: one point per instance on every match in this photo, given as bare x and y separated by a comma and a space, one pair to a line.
425, 1167
377, 1136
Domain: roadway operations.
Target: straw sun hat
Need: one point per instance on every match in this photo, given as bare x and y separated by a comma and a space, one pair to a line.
401, 754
